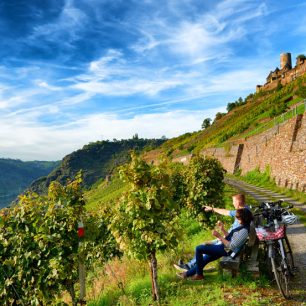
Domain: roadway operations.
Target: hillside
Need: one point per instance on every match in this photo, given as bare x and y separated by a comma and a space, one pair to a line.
96, 160
244, 118
16, 175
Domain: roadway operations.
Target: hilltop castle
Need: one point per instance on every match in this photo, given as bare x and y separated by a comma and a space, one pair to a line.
286, 73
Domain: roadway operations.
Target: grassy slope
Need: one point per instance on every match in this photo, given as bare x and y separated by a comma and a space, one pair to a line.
104, 193
242, 121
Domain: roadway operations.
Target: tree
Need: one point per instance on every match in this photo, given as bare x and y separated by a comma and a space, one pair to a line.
145, 220
204, 180
239, 101
301, 56
219, 116
230, 106
206, 123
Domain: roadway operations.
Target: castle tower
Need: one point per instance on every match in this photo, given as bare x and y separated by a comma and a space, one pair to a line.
285, 61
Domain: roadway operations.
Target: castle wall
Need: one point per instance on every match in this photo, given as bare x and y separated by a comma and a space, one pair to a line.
282, 148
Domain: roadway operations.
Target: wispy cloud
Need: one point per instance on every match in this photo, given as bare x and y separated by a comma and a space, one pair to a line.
64, 28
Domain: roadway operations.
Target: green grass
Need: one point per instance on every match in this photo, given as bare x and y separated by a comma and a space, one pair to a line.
105, 193
301, 214
261, 127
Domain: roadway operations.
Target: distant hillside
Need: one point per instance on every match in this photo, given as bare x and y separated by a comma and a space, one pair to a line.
96, 160
16, 176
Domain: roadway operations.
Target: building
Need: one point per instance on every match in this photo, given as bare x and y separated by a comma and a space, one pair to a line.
285, 74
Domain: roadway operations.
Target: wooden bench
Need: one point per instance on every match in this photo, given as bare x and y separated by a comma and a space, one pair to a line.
248, 254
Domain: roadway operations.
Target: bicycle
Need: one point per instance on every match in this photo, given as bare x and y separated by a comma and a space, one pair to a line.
271, 220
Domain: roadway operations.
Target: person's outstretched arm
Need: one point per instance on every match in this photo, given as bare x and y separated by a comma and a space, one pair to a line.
220, 211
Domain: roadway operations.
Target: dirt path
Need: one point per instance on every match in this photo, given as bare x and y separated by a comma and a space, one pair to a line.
296, 234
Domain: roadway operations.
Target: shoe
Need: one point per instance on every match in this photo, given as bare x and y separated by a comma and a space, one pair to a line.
182, 268
196, 277
182, 275
180, 262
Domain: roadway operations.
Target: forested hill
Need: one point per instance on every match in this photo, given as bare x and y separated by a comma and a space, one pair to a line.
16, 175
96, 160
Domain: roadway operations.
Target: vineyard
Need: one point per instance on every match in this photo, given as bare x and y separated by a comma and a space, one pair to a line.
40, 248
254, 115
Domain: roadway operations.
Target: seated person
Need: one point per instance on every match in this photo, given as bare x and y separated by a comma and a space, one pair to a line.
238, 203
233, 242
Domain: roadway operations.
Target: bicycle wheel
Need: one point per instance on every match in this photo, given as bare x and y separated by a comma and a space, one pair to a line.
281, 272
289, 255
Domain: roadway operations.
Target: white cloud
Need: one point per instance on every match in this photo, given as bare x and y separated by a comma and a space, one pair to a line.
200, 36
65, 28
52, 143
127, 88
44, 84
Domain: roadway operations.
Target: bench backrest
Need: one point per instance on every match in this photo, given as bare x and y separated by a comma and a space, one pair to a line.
252, 235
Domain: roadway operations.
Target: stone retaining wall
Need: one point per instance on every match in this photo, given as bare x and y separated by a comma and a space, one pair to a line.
282, 148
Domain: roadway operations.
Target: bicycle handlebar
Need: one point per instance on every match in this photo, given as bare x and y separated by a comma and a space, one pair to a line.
269, 205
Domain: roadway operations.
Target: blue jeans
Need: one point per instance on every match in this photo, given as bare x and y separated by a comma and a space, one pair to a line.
191, 263
211, 252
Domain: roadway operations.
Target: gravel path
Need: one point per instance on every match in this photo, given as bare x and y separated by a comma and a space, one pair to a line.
296, 233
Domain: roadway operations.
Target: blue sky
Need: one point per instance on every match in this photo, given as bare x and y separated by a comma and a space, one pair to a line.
76, 71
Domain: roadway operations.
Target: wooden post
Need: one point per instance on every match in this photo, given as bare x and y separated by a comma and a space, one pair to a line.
153, 268
82, 274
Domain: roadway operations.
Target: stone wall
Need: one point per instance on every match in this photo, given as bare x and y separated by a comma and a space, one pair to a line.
282, 148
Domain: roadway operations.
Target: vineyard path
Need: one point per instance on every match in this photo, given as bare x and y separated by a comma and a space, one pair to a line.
296, 233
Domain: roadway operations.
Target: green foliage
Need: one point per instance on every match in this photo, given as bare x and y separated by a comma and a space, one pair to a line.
255, 176
39, 245
278, 108
232, 105
206, 123
145, 220
178, 183
204, 179
279, 86
301, 91
98, 243
219, 116
301, 56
